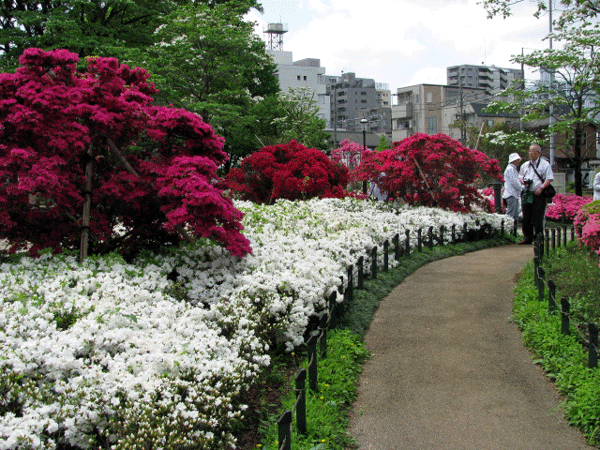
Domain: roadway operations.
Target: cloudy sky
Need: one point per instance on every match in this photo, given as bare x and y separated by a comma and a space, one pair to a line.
402, 42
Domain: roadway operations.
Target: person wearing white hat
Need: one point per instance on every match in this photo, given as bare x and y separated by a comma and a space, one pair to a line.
512, 187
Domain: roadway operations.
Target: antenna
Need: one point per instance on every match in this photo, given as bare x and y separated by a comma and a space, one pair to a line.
275, 32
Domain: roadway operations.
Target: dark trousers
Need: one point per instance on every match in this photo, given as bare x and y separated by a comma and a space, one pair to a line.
533, 217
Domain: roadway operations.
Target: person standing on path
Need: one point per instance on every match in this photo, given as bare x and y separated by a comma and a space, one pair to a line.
512, 187
597, 186
535, 174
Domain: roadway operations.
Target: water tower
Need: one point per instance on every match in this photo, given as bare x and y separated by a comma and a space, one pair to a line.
275, 32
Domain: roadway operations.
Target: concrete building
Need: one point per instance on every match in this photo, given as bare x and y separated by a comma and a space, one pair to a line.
490, 78
432, 108
305, 73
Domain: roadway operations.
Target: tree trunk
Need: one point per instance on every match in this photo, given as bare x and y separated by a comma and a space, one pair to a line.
87, 206
577, 159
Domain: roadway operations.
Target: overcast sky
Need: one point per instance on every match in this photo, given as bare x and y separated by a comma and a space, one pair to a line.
403, 42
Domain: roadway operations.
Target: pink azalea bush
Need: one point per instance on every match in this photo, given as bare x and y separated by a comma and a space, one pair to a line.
151, 171
587, 226
430, 170
566, 206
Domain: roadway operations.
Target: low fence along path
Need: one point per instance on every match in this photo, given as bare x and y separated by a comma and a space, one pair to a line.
449, 370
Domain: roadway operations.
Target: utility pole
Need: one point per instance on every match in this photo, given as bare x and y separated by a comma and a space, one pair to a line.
551, 112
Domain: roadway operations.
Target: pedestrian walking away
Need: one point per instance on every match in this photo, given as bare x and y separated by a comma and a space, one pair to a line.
535, 175
512, 188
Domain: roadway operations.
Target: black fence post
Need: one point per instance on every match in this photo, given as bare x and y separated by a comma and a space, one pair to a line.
564, 235
430, 237
301, 402
419, 242
350, 289
593, 346
407, 250
536, 264
551, 296
541, 283
396, 242
360, 266
374, 263
323, 318
465, 238
453, 232
442, 228
333, 308
312, 361
565, 307
386, 250
553, 238
502, 227
285, 430
547, 241
572, 233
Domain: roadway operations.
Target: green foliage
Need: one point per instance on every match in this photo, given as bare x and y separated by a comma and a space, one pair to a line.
563, 357
327, 409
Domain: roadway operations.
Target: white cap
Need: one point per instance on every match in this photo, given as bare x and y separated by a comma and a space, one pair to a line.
513, 157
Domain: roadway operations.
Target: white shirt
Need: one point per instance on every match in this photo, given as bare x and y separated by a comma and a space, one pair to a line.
597, 186
543, 168
512, 185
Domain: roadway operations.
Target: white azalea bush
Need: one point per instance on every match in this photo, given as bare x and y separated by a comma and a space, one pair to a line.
106, 354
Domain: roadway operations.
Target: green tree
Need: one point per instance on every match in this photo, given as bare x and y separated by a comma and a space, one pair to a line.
299, 119
87, 27
217, 67
571, 98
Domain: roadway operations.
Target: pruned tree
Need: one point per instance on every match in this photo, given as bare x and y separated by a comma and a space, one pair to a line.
87, 157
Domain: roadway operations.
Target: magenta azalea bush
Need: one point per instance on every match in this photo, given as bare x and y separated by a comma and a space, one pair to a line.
89, 154
587, 226
566, 206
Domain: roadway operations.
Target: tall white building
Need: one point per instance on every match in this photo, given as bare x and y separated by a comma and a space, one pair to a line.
305, 73
491, 78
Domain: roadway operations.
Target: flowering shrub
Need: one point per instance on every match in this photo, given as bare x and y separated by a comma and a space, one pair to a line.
106, 354
566, 206
430, 171
349, 154
288, 171
587, 225
70, 140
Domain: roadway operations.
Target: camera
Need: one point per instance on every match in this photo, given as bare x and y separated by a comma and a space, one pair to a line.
528, 182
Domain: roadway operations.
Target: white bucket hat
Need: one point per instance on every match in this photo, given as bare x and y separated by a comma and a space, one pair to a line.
513, 157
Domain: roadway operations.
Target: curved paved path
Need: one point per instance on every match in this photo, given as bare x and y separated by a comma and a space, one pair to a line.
449, 370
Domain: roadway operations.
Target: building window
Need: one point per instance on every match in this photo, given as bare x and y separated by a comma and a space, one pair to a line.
429, 97
432, 125
305, 78
298, 77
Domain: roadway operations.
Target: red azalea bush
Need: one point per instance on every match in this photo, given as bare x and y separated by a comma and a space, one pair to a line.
68, 137
566, 206
288, 171
430, 170
349, 154
587, 226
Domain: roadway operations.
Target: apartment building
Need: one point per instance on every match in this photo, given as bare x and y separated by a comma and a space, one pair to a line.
433, 108
306, 73
491, 78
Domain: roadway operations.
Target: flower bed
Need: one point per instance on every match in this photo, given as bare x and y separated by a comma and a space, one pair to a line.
108, 354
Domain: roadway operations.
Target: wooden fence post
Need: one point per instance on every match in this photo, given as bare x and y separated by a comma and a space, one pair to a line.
593, 346
285, 430
312, 362
301, 402
397, 250
430, 237
386, 250
360, 266
551, 296
565, 307
541, 283
374, 263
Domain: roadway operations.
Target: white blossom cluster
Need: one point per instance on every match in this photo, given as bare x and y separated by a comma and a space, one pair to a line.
108, 354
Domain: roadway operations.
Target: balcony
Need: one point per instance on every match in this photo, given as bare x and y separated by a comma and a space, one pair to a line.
402, 111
